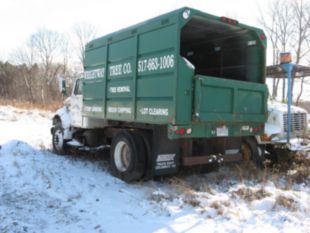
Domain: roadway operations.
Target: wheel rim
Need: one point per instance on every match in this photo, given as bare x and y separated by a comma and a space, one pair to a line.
246, 152
58, 139
122, 156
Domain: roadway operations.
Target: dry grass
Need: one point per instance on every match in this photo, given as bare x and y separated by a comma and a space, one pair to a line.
286, 202
247, 171
192, 200
220, 206
294, 171
188, 193
28, 105
159, 197
206, 188
299, 171
251, 194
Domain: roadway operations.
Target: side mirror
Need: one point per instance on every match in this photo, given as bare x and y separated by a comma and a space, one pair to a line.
62, 87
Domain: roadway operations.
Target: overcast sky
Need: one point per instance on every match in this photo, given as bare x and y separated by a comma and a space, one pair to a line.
20, 18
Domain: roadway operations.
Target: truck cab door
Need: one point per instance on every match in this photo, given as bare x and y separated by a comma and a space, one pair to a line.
76, 103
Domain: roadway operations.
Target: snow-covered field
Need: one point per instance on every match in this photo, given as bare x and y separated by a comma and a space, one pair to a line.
44, 192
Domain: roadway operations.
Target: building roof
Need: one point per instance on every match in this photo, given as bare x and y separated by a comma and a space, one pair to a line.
276, 71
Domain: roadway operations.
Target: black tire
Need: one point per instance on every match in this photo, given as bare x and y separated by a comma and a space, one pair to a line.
251, 151
128, 156
58, 142
279, 155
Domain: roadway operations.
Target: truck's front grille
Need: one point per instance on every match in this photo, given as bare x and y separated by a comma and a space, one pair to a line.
298, 122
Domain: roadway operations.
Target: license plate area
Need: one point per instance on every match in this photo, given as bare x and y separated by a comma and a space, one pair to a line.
222, 131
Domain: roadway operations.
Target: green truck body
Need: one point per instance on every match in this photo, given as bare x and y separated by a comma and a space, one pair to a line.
183, 89
182, 69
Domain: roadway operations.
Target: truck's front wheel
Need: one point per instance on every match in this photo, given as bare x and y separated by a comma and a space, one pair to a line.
127, 157
59, 145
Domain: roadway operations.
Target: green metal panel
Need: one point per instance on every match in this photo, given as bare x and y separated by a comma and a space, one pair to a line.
95, 57
222, 100
158, 40
145, 73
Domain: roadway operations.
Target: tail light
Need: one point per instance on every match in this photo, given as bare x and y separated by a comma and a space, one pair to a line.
183, 131
262, 36
229, 21
258, 129
180, 131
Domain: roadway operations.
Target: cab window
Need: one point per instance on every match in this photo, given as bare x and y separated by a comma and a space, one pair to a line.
78, 87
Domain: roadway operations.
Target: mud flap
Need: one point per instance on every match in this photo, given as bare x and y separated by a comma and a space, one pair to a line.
166, 164
165, 153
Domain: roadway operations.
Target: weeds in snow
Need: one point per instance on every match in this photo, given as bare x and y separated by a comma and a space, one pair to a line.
299, 172
220, 206
158, 196
286, 202
249, 194
188, 192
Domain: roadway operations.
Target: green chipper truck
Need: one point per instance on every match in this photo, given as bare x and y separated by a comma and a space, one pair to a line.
183, 89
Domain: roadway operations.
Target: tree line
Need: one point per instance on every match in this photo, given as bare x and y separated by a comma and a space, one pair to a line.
36, 68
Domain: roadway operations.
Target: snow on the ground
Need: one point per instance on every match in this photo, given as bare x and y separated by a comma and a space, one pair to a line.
44, 192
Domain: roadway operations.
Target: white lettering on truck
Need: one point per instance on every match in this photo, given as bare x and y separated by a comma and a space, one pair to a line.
120, 69
92, 109
119, 89
154, 111
156, 63
165, 161
119, 110
93, 74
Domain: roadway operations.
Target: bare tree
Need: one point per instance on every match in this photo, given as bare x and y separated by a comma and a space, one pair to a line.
279, 29
83, 33
37, 66
25, 56
272, 31
301, 35
49, 47
301, 24
288, 27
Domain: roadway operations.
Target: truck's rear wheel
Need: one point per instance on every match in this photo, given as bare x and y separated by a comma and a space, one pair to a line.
251, 151
127, 157
59, 144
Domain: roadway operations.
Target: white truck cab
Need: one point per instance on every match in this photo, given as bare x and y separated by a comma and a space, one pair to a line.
275, 137
76, 104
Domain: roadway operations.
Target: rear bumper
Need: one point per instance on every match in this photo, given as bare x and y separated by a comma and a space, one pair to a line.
216, 129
